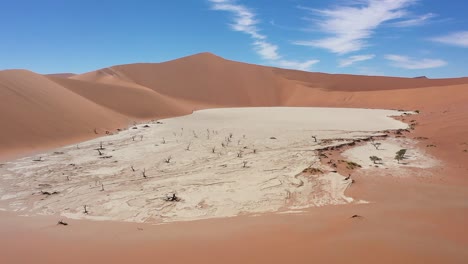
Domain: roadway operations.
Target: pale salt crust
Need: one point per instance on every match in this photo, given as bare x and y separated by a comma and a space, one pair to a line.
414, 157
276, 143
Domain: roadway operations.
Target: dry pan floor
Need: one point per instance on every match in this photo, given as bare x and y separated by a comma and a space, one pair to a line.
217, 163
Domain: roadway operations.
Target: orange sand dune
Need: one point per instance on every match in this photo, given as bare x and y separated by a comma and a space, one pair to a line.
130, 100
415, 99
154, 90
346, 82
213, 80
36, 112
204, 77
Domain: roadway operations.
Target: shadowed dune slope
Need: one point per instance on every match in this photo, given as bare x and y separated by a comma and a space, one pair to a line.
37, 112
132, 100
61, 75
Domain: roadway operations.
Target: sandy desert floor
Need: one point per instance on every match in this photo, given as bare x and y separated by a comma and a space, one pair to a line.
219, 162
415, 211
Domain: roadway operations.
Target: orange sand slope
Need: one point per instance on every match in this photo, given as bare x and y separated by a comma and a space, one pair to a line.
42, 112
36, 112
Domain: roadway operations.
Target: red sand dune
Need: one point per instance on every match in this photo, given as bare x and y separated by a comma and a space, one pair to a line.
50, 111
411, 220
133, 101
37, 112
203, 77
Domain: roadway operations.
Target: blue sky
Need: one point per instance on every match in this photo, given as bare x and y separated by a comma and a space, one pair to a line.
372, 37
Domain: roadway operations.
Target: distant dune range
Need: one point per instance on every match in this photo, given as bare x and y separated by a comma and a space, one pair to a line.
44, 111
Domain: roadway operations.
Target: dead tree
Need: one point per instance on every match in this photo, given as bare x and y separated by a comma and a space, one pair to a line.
172, 198
102, 187
100, 146
141, 137
49, 193
239, 154
375, 144
188, 146
164, 141
244, 164
95, 131
254, 151
315, 138
213, 150
85, 209
168, 159
144, 173
375, 159
61, 222
100, 153
133, 169
356, 216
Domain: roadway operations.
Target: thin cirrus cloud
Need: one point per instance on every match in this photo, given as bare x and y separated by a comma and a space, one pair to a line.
350, 26
459, 39
353, 59
244, 20
295, 64
405, 62
418, 21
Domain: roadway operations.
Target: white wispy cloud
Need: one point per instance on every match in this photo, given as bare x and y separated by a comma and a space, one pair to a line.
298, 65
266, 50
455, 39
353, 59
244, 20
351, 25
418, 21
414, 64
